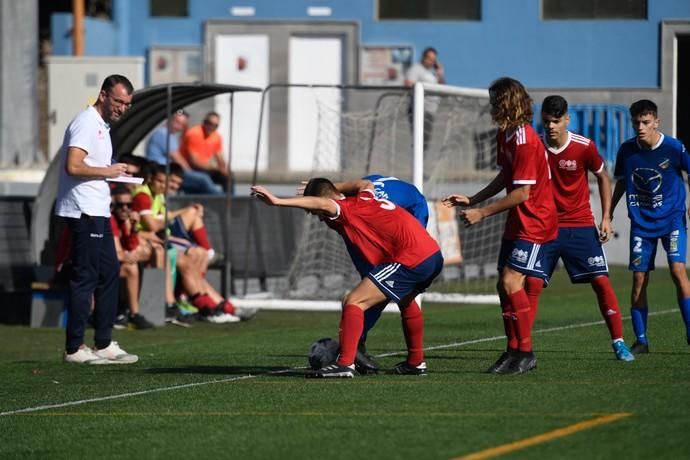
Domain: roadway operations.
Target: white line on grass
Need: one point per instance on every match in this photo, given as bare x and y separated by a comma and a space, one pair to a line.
250, 376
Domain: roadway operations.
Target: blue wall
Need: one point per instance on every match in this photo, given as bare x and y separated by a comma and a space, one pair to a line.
511, 39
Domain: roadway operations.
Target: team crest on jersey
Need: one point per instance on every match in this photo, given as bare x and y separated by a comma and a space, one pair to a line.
596, 261
646, 180
665, 164
519, 255
568, 165
637, 261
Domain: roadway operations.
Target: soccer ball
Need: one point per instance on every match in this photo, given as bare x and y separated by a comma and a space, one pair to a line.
323, 352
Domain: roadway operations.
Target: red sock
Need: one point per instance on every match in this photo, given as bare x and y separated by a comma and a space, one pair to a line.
351, 326
508, 323
533, 287
202, 301
521, 310
201, 237
228, 307
608, 306
413, 329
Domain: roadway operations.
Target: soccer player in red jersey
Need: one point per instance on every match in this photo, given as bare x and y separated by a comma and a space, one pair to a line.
404, 257
532, 223
579, 243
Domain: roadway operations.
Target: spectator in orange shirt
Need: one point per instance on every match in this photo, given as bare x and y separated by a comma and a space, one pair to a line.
202, 149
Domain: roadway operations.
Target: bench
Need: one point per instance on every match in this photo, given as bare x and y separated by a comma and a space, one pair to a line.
259, 245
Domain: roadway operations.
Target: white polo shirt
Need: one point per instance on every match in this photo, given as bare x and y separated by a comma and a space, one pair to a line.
78, 195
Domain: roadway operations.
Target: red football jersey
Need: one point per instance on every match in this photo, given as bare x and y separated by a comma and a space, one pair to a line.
382, 231
128, 239
523, 160
569, 166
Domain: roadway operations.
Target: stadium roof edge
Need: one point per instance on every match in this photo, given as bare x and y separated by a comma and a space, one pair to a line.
150, 107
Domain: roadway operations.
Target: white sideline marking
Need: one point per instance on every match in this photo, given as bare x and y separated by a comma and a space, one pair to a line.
250, 376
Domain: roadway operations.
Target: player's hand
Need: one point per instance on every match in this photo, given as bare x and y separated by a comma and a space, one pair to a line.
455, 200
300, 188
605, 230
264, 195
116, 170
134, 217
471, 216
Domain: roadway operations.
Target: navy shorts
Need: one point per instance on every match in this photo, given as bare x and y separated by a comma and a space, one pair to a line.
581, 252
398, 282
179, 237
643, 248
528, 258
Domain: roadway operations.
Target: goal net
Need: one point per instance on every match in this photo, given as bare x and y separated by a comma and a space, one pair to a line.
442, 139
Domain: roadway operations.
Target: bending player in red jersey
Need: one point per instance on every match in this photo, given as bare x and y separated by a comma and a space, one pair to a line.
404, 257
579, 243
532, 223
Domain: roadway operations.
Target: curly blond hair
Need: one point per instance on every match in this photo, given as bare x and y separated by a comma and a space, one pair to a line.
511, 105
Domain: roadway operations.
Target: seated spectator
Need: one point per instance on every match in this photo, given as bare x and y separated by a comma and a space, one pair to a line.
130, 252
159, 150
202, 149
185, 226
189, 238
164, 143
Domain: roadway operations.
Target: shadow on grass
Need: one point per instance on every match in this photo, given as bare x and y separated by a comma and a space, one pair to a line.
230, 370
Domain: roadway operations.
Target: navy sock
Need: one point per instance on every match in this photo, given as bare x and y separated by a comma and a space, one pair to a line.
101, 344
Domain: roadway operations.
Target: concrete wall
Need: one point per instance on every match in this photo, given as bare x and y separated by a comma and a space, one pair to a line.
18, 81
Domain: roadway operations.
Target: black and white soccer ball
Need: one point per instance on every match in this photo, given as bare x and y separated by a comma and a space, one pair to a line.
323, 352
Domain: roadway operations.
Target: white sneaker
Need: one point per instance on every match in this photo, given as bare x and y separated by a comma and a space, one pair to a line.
245, 313
84, 355
116, 355
230, 318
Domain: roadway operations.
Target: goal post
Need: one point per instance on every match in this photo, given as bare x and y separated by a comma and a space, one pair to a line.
438, 137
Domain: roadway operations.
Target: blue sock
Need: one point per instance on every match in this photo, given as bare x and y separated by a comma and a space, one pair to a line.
684, 305
639, 322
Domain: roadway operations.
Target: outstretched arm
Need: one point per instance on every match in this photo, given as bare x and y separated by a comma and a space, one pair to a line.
353, 187
518, 195
317, 204
492, 189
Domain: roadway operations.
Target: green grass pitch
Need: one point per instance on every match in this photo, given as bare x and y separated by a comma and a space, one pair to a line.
237, 390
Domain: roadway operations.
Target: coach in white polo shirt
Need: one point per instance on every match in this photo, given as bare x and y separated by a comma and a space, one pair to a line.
83, 200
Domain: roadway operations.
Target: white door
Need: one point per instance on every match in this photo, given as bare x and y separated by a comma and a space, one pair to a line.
313, 60
243, 60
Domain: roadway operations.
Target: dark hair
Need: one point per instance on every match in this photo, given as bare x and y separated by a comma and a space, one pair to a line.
554, 105
511, 104
319, 186
211, 114
643, 107
120, 189
132, 159
115, 79
176, 169
429, 50
157, 169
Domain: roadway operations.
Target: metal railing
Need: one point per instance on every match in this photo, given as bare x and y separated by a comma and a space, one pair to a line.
608, 125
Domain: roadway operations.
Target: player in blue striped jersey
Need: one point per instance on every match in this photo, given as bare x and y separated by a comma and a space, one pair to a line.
649, 171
